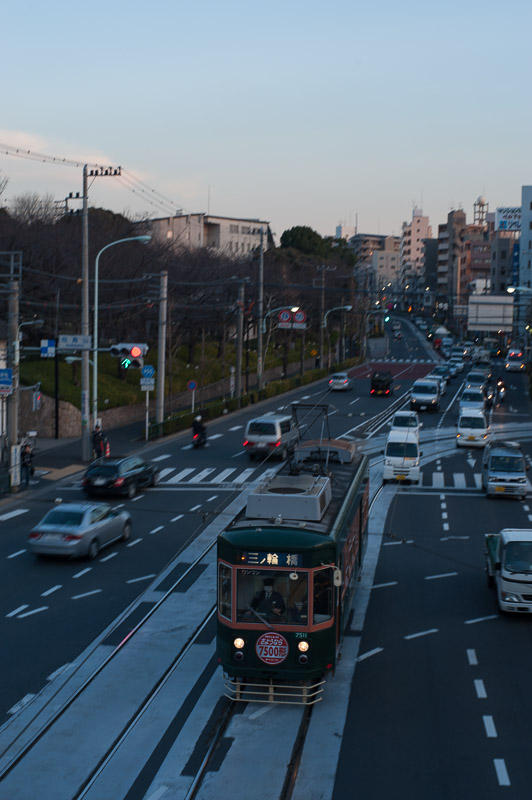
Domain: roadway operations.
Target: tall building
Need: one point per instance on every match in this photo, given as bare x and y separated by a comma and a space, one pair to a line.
525, 246
385, 264
503, 244
449, 251
344, 231
231, 235
412, 250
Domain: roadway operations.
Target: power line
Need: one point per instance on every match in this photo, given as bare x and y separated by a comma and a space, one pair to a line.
19, 152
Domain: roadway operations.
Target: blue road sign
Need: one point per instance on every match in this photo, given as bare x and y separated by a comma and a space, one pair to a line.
6, 381
47, 348
148, 371
191, 385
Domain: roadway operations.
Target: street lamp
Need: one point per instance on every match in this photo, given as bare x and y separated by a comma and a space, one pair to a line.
144, 238
293, 309
324, 325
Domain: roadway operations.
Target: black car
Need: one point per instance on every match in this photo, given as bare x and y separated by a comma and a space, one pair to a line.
381, 383
119, 476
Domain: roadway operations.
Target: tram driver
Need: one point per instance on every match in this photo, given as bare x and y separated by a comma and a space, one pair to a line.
267, 601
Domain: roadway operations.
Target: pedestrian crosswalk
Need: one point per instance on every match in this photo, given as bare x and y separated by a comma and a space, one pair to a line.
443, 479
208, 476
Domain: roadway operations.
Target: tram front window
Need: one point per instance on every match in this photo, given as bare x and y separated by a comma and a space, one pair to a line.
272, 597
224, 590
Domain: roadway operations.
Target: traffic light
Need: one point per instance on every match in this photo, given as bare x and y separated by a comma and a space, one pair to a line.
131, 354
387, 318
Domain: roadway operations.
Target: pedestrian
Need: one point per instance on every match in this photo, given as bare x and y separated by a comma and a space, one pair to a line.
27, 465
98, 442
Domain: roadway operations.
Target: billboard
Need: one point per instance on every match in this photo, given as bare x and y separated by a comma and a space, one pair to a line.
508, 219
490, 312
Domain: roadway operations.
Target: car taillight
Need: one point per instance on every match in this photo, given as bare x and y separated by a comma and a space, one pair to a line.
247, 443
85, 481
35, 535
275, 444
330, 382
118, 482
72, 537
387, 391
345, 380
372, 391
195, 436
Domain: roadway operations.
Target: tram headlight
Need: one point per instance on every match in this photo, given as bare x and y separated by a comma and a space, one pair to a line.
303, 646
238, 643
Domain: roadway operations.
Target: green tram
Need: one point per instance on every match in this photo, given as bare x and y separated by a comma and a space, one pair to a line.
287, 569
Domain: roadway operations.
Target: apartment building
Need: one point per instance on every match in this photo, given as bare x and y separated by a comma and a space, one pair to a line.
503, 246
525, 247
231, 235
413, 234
386, 263
449, 254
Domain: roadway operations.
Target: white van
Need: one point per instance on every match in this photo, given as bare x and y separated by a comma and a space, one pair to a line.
473, 429
277, 434
401, 456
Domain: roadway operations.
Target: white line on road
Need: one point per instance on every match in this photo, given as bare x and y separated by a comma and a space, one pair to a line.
120, 505
215, 436
260, 712
134, 542
52, 590
107, 558
17, 610
83, 572
162, 458
387, 544
480, 619
158, 793
85, 594
444, 515
181, 475
448, 538
174, 519
201, 475
11, 514
164, 472
445, 526
244, 476
472, 659
222, 476
138, 497
526, 508
143, 578
157, 529
480, 689
384, 585
194, 508
33, 611
21, 703
352, 403
421, 633
502, 772
210, 499
18, 553
441, 575
489, 725
236, 428
58, 671
370, 653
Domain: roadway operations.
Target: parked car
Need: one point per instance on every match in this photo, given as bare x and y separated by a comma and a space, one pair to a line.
381, 383
340, 382
79, 529
121, 476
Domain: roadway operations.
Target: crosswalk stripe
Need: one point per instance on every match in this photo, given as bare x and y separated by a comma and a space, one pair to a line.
478, 480
459, 480
180, 475
438, 479
244, 476
164, 472
222, 476
201, 475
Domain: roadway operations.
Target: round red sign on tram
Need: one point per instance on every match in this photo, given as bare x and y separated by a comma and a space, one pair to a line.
272, 648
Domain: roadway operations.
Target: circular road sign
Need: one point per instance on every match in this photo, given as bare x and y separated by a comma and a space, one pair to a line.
285, 316
148, 371
191, 385
300, 316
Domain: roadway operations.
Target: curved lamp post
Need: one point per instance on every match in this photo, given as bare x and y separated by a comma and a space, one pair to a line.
144, 238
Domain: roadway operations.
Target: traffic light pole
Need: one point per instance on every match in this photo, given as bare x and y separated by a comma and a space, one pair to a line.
161, 349
85, 451
13, 362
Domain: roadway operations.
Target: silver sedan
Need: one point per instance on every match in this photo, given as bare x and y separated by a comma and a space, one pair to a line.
79, 529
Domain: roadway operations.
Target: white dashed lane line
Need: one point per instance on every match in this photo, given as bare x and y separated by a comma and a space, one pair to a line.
157, 529
194, 508
86, 594
480, 619
162, 458
236, 428
421, 633
489, 725
33, 611
83, 572
215, 436
384, 585
441, 575
142, 578
502, 772
133, 543
138, 497
370, 653
174, 519
480, 689
472, 659
52, 590
18, 553
210, 499
17, 610
11, 514
107, 558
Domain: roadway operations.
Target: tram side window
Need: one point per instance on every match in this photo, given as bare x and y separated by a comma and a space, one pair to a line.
323, 596
224, 590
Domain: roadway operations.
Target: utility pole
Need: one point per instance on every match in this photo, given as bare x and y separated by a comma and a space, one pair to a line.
56, 364
240, 335
323, 268
13, 362
260, 313
161, 354
85, 451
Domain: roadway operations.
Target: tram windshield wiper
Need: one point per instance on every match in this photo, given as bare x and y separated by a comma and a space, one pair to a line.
264, 621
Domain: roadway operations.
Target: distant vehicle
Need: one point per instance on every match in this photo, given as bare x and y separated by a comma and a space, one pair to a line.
456, 366
509, 568
459, 351
425, 395
340, 382
504, 470
401, 456
381, 383
515, 361
406, 420
122, 476
493, 346
79, 529
432, 376
473, 398
277, 434
483, 355
473, 429
476, 378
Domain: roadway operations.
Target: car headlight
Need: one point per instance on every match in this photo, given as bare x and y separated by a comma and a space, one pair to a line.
433, 400
238, 643
303, 646
511, 598
458, 435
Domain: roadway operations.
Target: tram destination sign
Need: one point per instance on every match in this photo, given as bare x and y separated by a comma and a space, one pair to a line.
259, 559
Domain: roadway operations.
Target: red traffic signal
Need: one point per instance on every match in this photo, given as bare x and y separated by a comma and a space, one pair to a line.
135, 351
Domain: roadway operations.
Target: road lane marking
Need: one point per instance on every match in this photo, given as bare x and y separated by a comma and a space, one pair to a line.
33, 611
480, 619
21, 703
157, 529
236, 428
17, 610
421, 633
445, 526
210, 499
244, 476
181, 475
174, 519
194, 508
215, 436
107, 558
260, 712
162, 458
18, 553
472, 659
438, 480
52, 590
502, 772
384, 585
134, 542
480, 689
138, 497
444, 515
83, 572
440, 575
489, 725
85, 594
164, 472
142, 578
222, 476
11, 514
370, 653
526, 508
158, 793
386, 544
201, 475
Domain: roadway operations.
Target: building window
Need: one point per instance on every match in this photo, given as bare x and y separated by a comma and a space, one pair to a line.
233, 228
169, 234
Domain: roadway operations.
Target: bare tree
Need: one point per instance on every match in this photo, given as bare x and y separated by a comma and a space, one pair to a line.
32, 207
4, 180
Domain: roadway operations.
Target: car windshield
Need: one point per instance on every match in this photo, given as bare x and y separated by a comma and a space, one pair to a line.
476, 377
404, 421
472, 397
63, 516
472, 422
507, 464
401, 450
339, 377
515, 357
518, 557
107, 470
262, 428
272, 596
425, 388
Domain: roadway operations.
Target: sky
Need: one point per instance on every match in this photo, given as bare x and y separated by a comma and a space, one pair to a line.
300, 113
